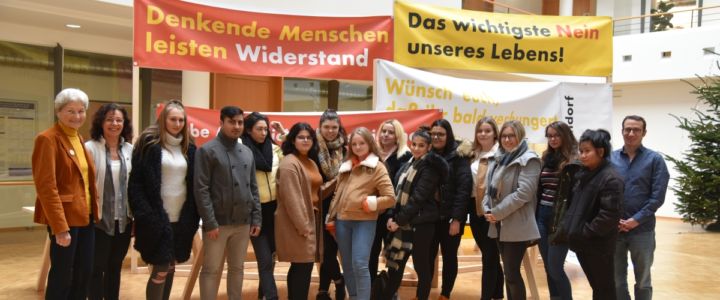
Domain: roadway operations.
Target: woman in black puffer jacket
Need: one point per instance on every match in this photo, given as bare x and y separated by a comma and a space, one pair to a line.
412, 221
455, 196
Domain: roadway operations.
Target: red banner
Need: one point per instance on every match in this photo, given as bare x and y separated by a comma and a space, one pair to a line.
204, 124
186, 36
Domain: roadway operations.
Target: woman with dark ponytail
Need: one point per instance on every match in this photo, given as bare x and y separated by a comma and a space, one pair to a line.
411, 222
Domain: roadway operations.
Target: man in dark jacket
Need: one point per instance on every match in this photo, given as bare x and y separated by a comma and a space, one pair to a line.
227, 198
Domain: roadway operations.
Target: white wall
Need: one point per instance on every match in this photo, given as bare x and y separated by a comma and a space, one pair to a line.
313, 7
687, 61
40, 36
655, 102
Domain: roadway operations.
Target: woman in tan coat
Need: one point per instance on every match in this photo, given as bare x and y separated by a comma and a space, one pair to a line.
363, 189
298, 231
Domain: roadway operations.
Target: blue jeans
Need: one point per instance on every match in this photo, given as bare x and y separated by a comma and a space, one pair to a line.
355, 238
642, 249
553, 256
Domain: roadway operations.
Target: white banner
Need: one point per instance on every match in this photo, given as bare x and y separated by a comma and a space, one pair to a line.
465, 101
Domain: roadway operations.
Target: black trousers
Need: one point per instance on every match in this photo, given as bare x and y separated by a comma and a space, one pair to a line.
492, 272
512, 255
449, 246
298, 280
381, 233
110, 251
423, 262
329, 268
71, 266
599, 269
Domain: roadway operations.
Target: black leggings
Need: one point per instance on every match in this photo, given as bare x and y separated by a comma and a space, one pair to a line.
449, 246
492, 272
512, 256
329, 268
160, 282
423, 262
381, 233
298, 280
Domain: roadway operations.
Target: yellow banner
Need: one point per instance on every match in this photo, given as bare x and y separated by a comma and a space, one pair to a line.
429, 36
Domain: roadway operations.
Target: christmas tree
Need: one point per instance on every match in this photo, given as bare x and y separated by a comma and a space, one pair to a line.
698, 186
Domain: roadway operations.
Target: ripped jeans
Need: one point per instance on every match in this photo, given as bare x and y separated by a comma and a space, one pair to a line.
160, 282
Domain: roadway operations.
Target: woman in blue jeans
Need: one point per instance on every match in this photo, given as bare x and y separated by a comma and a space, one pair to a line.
363, 189
556, 178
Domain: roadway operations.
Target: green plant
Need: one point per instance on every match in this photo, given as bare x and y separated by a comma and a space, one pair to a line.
698, 186
661, 22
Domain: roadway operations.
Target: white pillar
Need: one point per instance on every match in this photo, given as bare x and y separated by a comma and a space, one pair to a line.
566, 8
196, 89
136, 100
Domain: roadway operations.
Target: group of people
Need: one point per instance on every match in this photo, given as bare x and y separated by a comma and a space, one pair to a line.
325, 192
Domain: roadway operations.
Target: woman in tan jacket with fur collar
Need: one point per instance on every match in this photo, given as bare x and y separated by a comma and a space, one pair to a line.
363, 189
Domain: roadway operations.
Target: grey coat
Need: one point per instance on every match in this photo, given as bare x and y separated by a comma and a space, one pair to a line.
225, 187
514, 206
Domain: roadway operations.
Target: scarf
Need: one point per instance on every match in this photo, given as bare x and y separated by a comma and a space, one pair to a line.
401, 242
502, 161
262, 152
330, 155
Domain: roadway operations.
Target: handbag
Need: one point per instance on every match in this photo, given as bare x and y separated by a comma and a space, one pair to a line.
379, 285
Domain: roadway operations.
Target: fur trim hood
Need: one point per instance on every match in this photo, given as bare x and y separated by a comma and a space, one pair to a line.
464, 148
371, 161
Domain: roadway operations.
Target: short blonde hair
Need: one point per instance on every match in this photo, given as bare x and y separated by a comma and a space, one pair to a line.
70, 95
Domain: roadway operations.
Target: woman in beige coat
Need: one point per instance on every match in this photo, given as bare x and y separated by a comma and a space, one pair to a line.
363, 189
298, 231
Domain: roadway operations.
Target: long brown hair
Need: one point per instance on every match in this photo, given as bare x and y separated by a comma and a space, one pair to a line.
155, 134
485, 120
568, 147
368, 137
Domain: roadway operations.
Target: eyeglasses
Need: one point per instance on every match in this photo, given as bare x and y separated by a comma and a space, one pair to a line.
303, 138
507, 137
633, 130
552, 136
437, 135
111, 121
